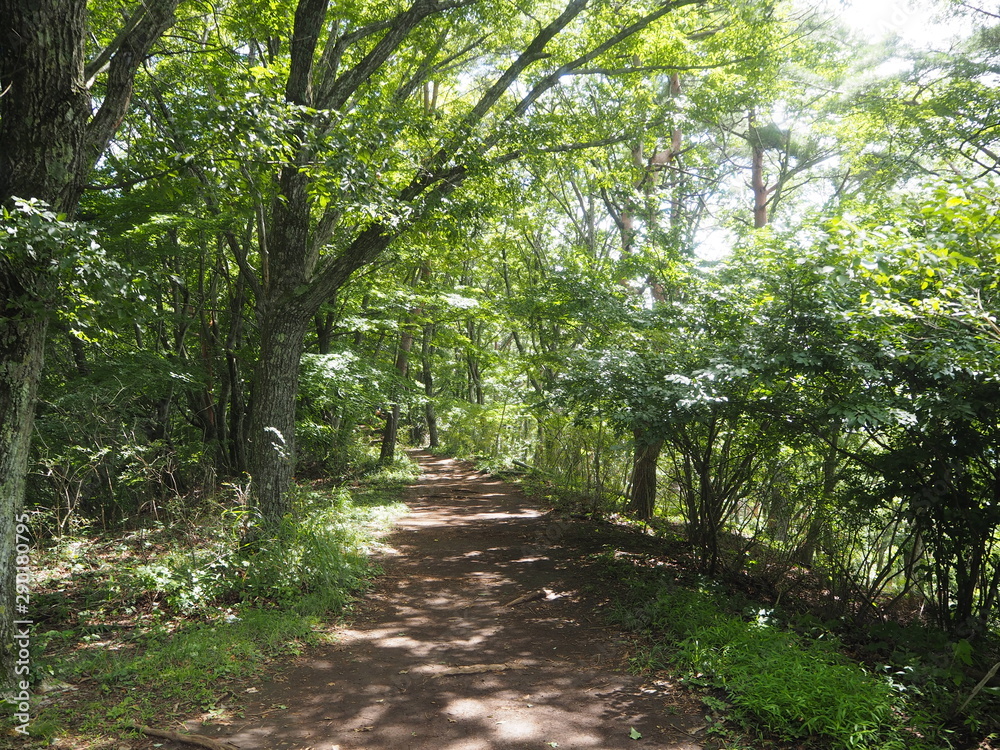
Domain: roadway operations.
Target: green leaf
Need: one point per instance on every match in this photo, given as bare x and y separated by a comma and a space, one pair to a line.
634, 734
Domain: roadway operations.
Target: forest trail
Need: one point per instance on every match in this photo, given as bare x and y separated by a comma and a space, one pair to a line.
541, 674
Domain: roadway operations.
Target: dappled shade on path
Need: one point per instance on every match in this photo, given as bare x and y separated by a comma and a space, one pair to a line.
540, 674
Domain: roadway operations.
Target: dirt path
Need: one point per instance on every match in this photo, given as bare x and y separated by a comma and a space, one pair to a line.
540, 674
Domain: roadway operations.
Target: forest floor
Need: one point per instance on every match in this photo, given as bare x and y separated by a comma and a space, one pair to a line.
434, 655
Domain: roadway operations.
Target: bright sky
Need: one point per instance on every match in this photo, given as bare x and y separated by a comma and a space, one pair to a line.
918, 22
923, 24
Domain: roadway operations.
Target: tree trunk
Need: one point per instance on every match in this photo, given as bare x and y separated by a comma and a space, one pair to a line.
427, 353
43, 117
819, 521
324, 332
272, 421
642, 500
21, 352
44, 108
48, 144
391, 433
759, 186
389, 436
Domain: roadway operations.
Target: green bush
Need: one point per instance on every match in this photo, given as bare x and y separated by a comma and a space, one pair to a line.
794, 687
317, 558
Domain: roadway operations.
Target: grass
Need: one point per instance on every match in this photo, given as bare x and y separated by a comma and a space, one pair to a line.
786, 678
777, 683
174, 620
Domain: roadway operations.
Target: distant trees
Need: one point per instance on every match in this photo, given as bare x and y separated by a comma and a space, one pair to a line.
855, 377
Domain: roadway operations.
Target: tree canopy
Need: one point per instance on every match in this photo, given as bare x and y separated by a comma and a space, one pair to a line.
259, 242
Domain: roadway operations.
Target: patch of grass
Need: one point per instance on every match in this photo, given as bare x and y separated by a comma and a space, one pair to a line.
401, 472
162, 623
778, 682
188, 667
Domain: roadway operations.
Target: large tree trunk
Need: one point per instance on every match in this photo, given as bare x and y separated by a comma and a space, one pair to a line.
642, 499
21, 347
272, 422
283, 320
45, 107
48, 145
43, 117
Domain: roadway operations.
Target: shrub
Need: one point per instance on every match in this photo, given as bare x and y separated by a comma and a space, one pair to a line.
777, 680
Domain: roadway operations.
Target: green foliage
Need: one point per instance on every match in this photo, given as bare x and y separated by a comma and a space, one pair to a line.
794, 687
922, 323
53, 257
106, 451
337, 391
189, 665
207, 609
498, 430
312, 564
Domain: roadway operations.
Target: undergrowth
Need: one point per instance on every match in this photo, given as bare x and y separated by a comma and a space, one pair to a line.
159, 623
778, 682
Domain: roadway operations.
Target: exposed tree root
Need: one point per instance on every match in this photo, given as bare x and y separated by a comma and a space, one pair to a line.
190, 739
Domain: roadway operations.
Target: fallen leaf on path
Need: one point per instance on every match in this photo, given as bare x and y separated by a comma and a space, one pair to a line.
634, 734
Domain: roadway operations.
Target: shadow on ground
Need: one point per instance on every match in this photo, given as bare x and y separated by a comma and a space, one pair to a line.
545, 673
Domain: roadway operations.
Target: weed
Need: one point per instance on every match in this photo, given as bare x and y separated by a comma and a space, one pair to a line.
196, 612
776, 680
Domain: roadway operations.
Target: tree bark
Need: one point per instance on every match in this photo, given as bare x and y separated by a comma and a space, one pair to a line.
44, 108
391, 433
757, 182
427, 355
48, 144
21, 354
642, 499
272, 421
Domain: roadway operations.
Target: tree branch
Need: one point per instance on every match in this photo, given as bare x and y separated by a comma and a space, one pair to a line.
653, 68
336, 93
99, 63
132, 48
534, 51
309, 18
553, 78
